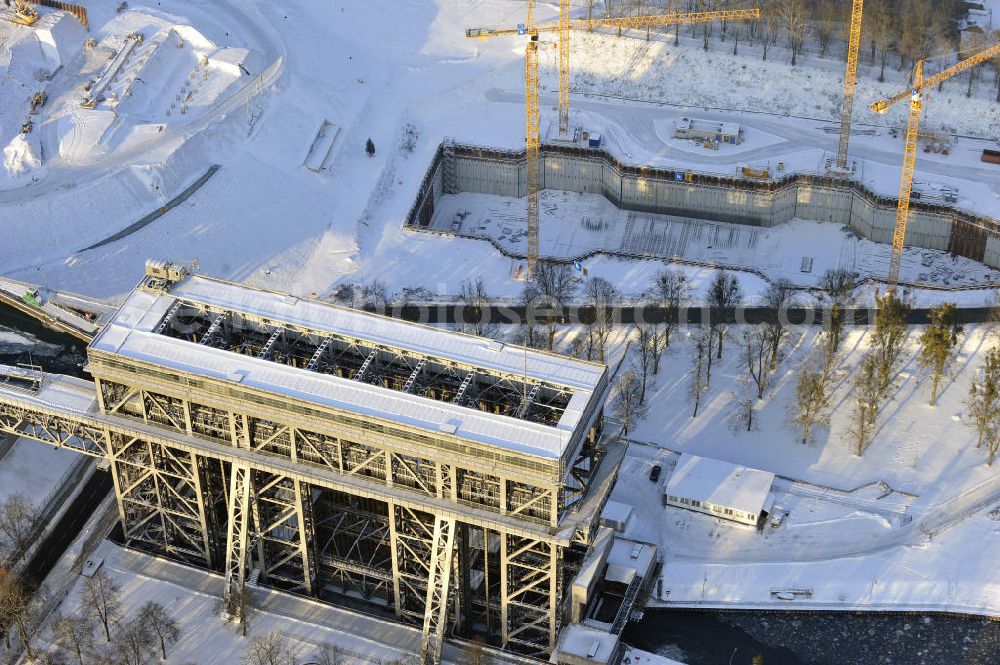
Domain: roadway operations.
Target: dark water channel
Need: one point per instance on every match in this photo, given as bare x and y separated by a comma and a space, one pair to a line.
695, 638
825, 638
25, 340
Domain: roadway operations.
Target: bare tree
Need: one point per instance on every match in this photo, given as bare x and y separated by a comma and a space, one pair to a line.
101, 598
838, 285
742, 417
880, 20
474, 653
555, 284
701, 356
770, 28
756, 347
627, 406
133, 642
529, 334
374, 296
270, 649
724, 296
17, 521
794, 14
938, 344
780, 295
476, 313
331, 654
670, 292
16, 611
238, 607
867, 404
889, 339
829, 16
647, 346
602, 298
75, 633
162, 625
811, 408
984, 398
708, 26
995, 63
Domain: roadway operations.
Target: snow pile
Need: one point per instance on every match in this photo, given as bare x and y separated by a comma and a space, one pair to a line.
19, 156
46, 46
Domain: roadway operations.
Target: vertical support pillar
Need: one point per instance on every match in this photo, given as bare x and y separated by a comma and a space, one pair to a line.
438, 591
504, 586
303, 505
394, 549
237, 539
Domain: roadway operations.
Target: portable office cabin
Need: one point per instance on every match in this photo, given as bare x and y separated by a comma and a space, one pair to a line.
719, 488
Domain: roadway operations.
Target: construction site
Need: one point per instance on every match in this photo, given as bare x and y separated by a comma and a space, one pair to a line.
288, 455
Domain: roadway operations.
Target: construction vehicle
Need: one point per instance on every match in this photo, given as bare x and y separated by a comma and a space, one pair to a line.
850, 80
23, 13
915, 93
563, 27
27, 126
38, 101
32, 297
756, 173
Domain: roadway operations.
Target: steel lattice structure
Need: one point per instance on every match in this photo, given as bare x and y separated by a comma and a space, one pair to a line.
437, 524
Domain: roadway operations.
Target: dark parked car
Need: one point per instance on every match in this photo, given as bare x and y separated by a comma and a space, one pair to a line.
654, 473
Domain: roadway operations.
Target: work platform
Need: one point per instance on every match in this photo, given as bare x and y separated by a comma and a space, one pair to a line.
453, 480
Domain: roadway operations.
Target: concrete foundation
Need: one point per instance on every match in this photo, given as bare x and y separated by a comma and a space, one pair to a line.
463, 168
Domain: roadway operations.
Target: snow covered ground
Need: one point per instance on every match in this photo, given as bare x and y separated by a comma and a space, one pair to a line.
191, 596
266, 219
886, 530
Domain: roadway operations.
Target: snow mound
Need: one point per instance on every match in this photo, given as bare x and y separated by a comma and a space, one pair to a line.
19, 156
45, 47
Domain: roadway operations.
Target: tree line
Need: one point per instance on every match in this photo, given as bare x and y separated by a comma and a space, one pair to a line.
895, 33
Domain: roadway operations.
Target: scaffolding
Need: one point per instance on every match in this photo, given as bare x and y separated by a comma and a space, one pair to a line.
447, 533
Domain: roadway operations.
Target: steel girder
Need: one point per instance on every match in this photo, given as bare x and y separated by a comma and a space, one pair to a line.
270, 520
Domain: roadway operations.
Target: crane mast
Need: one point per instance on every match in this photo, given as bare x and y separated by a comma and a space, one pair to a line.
532, 145
564, 29
850, 80
915, 93
563, 26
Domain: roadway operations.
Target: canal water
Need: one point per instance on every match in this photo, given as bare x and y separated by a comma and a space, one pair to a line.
693, 637
826, 638
25, 340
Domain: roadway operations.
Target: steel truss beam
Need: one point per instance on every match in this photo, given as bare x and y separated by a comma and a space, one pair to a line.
393, 368
530, 571
163, 477
438, 591
270, 518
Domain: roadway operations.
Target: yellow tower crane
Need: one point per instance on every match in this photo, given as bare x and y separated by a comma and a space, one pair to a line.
915, 93
850, 80
562, 27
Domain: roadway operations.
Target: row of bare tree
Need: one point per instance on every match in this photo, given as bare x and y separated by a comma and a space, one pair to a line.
894, 32
127, 641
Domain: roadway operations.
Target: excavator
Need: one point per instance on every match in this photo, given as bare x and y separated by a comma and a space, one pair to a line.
23, 13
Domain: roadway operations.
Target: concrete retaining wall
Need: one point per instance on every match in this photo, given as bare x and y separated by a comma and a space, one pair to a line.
709, 197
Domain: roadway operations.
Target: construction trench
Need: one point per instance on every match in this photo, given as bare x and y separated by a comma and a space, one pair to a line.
457, 168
